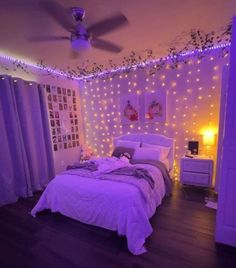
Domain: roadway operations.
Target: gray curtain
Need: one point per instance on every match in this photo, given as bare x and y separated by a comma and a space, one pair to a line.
26, 161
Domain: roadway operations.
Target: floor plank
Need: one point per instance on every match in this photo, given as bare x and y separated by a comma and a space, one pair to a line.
183, 236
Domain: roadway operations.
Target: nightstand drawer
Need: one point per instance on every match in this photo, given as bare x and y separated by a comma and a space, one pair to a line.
195, 178
196, 166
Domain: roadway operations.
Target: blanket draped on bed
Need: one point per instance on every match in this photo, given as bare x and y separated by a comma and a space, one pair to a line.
86, 165
161, 166
137, 177
139, 173
133, 171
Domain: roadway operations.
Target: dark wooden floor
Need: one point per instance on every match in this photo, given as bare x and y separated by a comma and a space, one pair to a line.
183, 237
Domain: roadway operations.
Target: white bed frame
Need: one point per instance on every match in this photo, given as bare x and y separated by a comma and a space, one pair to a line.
155, 139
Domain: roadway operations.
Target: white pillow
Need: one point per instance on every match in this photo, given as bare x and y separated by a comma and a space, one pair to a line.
128, 144
147, 154
164, 151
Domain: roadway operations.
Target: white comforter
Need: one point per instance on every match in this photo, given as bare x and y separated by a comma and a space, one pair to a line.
109, 204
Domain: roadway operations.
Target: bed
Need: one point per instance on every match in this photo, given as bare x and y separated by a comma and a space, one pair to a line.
115, 200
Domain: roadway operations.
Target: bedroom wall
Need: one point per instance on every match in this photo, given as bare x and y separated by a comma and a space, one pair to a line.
62, 157
193, 100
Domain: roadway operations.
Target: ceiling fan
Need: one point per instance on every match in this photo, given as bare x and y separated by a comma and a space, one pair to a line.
81, 37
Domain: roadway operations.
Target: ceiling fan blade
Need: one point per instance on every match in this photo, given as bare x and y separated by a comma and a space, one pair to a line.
47, 38
60, 14
105, 45
107, 25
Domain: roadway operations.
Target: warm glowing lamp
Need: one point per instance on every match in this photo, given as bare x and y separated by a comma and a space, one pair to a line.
209, 140
208, 137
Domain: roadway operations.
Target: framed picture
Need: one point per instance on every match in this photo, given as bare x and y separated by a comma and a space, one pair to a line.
48, 88
155, 107
129, 107
49, 97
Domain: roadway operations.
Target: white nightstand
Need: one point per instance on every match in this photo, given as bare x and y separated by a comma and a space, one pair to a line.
196, 171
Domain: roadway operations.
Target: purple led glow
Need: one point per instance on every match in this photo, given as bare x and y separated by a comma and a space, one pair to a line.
120, 69
41, 68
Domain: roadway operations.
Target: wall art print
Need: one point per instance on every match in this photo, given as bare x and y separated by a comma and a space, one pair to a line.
129, 107
63, 117
155, 107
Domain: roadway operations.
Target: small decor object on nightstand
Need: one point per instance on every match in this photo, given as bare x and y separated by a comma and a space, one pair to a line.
196, 171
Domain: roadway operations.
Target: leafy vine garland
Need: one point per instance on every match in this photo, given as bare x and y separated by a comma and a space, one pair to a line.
199, 41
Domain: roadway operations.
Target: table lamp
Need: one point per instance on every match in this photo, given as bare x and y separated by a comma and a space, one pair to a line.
208, 140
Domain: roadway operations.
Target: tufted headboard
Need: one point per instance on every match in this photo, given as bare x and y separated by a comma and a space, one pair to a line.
155, 139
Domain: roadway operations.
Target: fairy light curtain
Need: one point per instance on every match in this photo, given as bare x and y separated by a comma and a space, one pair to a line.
26, 161
191, 95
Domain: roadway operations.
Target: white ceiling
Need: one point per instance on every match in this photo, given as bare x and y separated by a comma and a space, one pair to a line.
152, 24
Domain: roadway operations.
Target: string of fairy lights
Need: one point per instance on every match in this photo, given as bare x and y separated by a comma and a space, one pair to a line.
193, 94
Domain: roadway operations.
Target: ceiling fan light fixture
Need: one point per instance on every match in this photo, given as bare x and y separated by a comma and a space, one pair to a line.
80, 44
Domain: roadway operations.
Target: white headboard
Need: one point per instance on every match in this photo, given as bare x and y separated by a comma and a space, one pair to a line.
152, 139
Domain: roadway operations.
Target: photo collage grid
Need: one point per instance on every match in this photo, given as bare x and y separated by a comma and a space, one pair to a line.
63, 117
